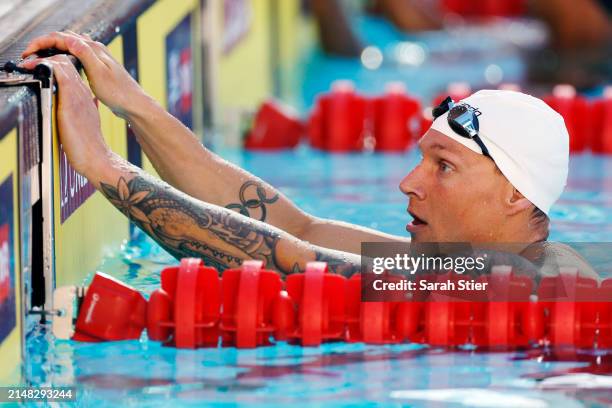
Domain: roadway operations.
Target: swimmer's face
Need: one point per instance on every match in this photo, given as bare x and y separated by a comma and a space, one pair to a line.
455, 194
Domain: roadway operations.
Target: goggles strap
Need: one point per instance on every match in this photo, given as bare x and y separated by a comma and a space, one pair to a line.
482, 146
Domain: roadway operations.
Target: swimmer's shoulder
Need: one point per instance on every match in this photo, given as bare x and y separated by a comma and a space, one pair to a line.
550, 256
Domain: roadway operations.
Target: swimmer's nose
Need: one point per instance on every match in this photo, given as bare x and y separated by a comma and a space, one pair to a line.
412, 184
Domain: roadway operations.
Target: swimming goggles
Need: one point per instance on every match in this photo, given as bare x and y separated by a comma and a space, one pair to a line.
463, 119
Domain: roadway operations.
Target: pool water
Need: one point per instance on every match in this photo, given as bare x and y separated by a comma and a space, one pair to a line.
358, 188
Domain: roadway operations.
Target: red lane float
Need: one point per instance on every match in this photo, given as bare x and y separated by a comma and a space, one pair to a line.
601, 123
572, 304
249, 294
345, 121
184, 312
250, 306
275, 127
604, 339
369, 322
502, 318
317, 307
396, 116
575, 111
111, 310
338, 120
448, 313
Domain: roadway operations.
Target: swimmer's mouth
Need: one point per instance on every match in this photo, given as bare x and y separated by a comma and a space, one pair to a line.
416, 221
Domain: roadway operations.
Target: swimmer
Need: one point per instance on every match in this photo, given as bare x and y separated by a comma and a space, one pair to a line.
494, 182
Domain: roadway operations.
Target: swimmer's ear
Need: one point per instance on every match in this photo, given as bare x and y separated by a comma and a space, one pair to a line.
517, 203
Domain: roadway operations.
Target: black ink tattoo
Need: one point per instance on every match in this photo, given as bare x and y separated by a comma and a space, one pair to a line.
252, 203
183, 229
186, 227
336, 264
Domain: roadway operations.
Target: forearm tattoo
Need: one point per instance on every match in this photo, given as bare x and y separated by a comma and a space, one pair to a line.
186, 227
338, 263
252, 203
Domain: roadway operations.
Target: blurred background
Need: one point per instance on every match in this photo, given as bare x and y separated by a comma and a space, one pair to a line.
295, 50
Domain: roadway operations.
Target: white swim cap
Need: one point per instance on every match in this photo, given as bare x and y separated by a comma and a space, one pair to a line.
525, 137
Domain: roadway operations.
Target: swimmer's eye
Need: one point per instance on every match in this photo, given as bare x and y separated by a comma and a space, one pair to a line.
444, 167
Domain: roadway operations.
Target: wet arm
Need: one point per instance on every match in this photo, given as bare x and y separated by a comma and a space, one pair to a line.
186, 227
182, 161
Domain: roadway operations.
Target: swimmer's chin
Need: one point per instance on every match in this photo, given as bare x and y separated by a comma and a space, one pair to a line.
417, 232
421, 236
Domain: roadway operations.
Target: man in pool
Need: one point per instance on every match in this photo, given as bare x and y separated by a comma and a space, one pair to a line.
492, 184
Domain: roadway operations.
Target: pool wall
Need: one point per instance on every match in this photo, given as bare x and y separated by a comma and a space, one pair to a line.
160, 43
11, 333
197, 58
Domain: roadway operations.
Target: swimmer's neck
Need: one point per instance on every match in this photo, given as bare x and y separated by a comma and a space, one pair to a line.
513, 246
519, 239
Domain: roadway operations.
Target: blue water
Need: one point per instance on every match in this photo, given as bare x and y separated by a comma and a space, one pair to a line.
361, 189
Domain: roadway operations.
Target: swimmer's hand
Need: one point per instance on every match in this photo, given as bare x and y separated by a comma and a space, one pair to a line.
108, 79
78, 120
